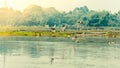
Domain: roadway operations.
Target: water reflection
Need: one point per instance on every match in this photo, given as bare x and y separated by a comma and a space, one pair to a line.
47, 54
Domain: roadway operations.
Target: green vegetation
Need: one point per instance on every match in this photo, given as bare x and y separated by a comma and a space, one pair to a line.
67, 33
113, 34
35, 15
37, 21
42, 33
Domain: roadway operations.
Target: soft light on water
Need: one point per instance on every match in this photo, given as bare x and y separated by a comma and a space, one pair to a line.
48, 52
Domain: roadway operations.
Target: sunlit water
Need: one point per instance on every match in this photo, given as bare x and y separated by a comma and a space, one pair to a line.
51, 52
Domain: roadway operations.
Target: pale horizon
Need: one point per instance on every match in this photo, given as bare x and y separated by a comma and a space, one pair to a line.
67, 5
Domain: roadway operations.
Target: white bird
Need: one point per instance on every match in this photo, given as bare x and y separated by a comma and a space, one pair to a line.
111, 43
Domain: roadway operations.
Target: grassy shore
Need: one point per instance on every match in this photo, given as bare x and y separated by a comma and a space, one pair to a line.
109, 34
42, 31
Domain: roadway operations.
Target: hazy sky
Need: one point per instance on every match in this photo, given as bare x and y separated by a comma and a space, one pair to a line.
66, 5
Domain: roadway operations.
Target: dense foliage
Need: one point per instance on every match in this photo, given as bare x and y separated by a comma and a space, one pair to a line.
37, 16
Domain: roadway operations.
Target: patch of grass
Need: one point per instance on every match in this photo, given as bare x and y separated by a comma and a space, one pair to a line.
109, 34
112, 34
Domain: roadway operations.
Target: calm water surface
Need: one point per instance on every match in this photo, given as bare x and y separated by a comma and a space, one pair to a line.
51, 52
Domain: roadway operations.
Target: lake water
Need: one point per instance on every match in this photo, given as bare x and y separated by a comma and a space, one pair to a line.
52, 52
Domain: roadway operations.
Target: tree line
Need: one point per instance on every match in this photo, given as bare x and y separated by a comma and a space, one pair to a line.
35, 15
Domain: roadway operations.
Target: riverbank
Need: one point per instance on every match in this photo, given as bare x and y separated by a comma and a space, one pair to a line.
82, 33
